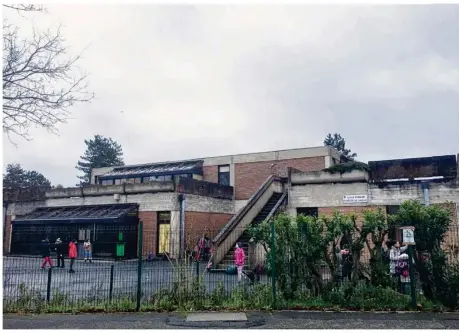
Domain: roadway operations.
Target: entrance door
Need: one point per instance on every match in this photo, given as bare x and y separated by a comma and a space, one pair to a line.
164, 233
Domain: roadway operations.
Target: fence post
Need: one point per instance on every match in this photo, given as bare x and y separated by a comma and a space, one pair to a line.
48, 287
139, 267
412, 278
273, 262
110, 292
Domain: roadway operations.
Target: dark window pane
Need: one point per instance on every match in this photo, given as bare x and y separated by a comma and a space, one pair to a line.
164, 216
224, 175
308, 211
392, 210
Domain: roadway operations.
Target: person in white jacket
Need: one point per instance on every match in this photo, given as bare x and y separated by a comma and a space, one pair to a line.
396, 255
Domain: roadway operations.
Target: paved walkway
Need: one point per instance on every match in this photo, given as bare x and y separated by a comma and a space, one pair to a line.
259, 320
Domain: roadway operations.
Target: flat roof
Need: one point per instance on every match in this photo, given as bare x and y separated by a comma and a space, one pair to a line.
77, 214
191, 160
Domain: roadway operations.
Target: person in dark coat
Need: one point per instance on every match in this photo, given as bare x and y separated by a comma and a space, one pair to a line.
60, 250
45, 250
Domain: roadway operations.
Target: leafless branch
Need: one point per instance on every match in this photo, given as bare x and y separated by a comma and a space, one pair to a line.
26, 8
40, 84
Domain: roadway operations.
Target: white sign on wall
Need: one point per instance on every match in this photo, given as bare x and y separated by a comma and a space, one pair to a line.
354, 198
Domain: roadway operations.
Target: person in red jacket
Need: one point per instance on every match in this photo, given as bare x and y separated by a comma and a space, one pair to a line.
72, 254
239, 260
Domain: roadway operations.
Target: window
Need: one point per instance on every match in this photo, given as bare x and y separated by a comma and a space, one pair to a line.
138, 180
392, 210
308, 211
107, 182
117, 181
164, 217
393, 234
224, 174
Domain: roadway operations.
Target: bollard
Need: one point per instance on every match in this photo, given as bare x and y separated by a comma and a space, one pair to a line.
110, 293
48, 288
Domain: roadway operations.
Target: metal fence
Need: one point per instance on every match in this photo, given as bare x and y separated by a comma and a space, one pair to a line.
172, 269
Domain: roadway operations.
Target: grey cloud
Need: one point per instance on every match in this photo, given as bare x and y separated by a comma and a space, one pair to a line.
197, 81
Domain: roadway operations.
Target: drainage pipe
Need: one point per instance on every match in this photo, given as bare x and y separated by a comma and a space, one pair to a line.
182, 225
425, 189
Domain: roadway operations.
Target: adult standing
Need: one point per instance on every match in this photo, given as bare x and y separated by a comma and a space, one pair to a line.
398, 264
60, 249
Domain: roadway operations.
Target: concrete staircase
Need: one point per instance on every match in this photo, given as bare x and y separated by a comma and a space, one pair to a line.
228, 259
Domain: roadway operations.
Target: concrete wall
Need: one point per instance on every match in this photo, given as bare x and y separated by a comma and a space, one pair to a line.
98, 172
249, 171
324, 195
306, 191
167, 201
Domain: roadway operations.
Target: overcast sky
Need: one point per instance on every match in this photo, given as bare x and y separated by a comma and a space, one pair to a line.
178, 82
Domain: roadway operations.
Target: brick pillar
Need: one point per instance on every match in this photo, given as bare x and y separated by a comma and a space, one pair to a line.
7, 235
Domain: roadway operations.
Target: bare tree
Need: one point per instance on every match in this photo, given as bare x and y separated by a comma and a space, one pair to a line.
40, 84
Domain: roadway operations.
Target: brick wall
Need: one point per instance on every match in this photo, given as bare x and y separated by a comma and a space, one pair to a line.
210, 173
7, 235
451, 241
149, 232
198, 223
358, 210
249, 176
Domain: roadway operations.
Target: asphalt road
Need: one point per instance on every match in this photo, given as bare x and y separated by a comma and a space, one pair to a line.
259, 320
92, 281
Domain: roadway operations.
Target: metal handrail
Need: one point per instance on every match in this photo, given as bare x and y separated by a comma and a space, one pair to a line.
240, 215
276, 206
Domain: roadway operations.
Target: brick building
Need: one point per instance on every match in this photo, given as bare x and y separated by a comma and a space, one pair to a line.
222, 196
173, 199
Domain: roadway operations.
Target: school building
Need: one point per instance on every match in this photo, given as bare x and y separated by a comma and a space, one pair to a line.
179, 201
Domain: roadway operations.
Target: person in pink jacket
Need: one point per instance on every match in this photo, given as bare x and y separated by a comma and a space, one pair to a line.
239, 258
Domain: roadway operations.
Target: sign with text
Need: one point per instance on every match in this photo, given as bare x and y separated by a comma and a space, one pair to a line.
355, 198
408, 235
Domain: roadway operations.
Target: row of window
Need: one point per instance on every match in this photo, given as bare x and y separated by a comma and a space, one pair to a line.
223, 178
139, 180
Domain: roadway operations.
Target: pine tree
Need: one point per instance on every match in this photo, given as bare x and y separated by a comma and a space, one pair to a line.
17, 177
100, 152
337, 141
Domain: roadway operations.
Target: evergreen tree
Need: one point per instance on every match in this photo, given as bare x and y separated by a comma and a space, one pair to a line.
17, 177
100, 152
337, 141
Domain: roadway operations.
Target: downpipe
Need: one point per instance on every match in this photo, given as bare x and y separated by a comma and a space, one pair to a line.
182, 225
425, 189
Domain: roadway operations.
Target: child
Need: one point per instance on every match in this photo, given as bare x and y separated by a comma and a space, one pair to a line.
239, 258
46, 253
87, 250
72, 254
